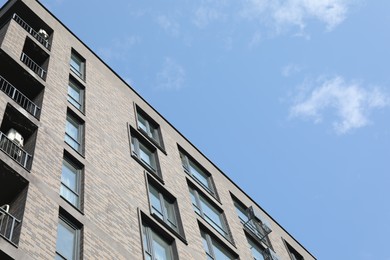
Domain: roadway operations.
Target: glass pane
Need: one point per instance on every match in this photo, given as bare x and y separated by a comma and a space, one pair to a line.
66, 239
142, 123
199, 175
193, 199
205, 245
212, 214
171, 216
256, 251
72, 143
69, 176
220, 253
147, 156
155, 201
161, 249
69, 195
74, 95
241, 213
72, 129
76, 64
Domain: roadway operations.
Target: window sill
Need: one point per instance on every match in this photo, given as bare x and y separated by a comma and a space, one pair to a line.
73, 206
148, 169
68, 145
159, 146
176, 233
229, 239
201, 187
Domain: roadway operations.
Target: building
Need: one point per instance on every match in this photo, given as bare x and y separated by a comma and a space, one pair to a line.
89, 170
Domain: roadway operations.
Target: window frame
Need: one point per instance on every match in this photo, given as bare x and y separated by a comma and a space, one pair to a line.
74, 120
252, 228
77, 59
200, 200
76, 230
69, 162
136, 142
78, 87
164, 197
211, 243
256, 245
150, 125
210, 187
292, 252
148, 228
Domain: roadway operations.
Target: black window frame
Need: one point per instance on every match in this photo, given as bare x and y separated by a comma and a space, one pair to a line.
165, 197
212, 241
79, 171
74, 83
150, 123
186, 159
70, 223
77, 58
200, 196
253, 243
75, 120
292, 252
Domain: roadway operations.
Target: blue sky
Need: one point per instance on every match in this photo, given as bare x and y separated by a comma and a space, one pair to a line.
290, 98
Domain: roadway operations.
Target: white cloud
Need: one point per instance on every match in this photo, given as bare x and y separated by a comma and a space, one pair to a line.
205, 15
291, 69
171, 76
168, 24
350, 102
287, 13
119, 48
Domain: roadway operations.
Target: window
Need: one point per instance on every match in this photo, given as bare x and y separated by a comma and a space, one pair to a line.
156, 246
77, 64
71, 182
294, 255
256, 249
76, 94
200, 175
149, 127
68, 240
209, 213
215, 250
164, 206
74, 133
145, 153
255, 227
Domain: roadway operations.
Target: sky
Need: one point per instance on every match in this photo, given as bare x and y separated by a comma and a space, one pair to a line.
290, 98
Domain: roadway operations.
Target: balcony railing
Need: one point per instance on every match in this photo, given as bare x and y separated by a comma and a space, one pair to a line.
33, 66
8, 225
31, 31
19, 98
15, 151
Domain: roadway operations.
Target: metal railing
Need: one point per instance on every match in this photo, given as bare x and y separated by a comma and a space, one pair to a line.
32, 32
15, 151
19, 97
8, 224
33, 66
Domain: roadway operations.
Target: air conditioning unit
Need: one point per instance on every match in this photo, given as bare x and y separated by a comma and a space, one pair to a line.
270, 255
15, 137
254, 214
43, 34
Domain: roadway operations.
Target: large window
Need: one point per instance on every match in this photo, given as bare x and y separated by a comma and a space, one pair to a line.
215, 250
76, 94
74, 132
71, 182
149, 127
77, 64
210, 213
251, 224
294, 255
68, 240
145, 153
164, 206
199, 174
156, 246
256, 249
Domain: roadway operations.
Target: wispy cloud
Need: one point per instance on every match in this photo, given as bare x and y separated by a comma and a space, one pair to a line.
205, 15
119, 48
171, 76
350, 102
168, 24
291, 69
286, 13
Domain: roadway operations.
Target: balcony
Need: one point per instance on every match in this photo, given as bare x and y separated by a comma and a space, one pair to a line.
18, 137
19, 97
33, 66
13, 193
41, 36
15, 151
